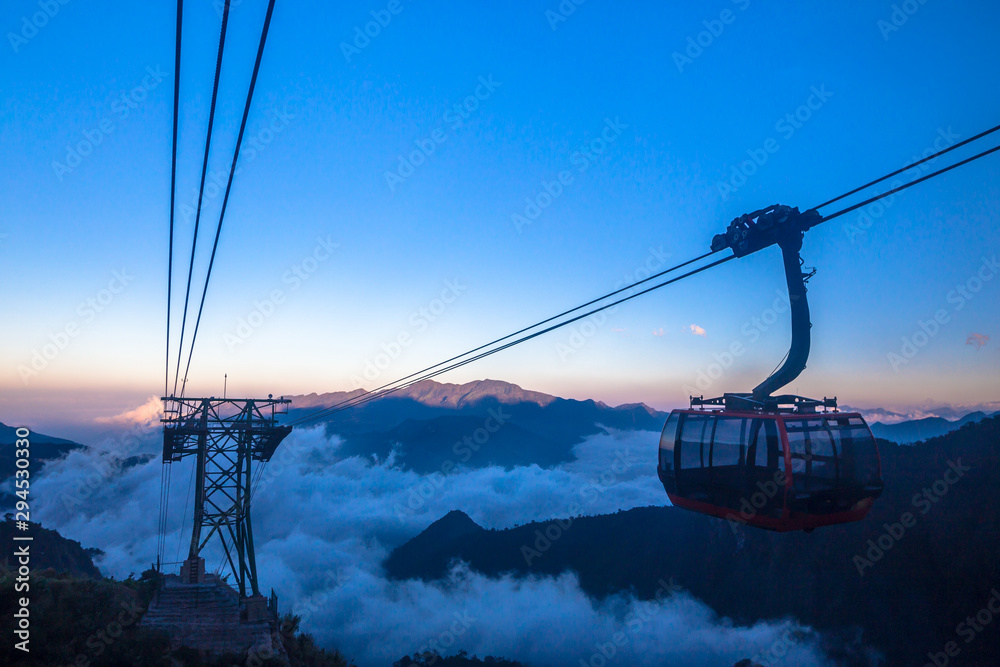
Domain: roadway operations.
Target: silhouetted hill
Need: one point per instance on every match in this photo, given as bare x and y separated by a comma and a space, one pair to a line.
43, 448
921, 429
440, 394
434, 548
475, 424
50, 550
461, 659
908, 588
96, 622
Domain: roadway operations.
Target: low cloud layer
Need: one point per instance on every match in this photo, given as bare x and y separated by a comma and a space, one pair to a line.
148, 413
323, 524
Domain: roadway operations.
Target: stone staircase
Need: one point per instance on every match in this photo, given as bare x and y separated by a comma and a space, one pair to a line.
206, 616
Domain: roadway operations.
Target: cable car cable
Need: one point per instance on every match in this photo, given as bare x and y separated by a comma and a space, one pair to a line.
538, 324
910, 166
392, 387
229, 184
173, 185
164, 476
370, 396
201, 192
841, 212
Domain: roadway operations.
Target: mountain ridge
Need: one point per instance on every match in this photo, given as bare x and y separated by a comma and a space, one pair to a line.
430, 424
907, 585
445, 394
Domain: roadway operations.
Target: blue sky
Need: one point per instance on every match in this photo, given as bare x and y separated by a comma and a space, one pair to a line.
338, 261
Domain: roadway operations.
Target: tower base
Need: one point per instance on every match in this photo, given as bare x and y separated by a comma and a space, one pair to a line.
193, 571
210, 616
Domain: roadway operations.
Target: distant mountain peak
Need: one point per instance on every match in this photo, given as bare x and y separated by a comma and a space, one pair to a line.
440, 537
456, 521
439, 394
638, 406
449, 395
454, 525
430, 392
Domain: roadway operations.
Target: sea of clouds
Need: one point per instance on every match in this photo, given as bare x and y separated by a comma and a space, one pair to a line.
323, 524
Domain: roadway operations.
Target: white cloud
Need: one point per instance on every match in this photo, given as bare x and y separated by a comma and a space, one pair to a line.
147, 413
697, 330
323, 524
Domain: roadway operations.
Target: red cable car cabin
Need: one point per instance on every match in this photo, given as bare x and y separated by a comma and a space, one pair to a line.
780, 471
770, 461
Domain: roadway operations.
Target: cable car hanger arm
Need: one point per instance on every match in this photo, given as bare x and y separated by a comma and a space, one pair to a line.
785, 227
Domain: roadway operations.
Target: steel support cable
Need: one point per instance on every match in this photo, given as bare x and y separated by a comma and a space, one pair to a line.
528, 328
854, 207
187, 499
371, 396
396, 386
229, 184
159, 526
909, 166
166, 509
533, 326
201, 191
173, 186
375, 395
164, 488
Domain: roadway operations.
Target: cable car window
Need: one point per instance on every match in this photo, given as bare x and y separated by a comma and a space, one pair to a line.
728, 444
797, 447
667, 439
763, 449
695, 435
823, 464
860, 458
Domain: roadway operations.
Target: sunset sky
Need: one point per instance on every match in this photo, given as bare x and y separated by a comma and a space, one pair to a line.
337, 248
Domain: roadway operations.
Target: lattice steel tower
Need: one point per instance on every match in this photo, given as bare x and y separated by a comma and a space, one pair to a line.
225, 435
